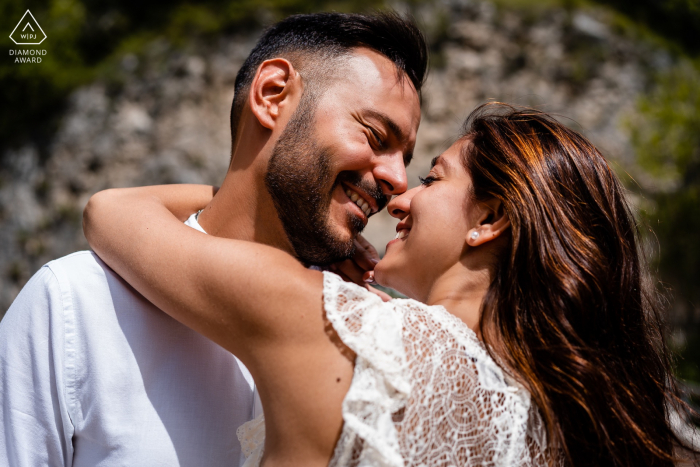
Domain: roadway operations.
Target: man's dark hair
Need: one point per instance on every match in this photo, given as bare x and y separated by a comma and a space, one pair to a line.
322, 36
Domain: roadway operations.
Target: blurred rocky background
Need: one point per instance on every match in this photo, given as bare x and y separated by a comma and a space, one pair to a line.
136, 93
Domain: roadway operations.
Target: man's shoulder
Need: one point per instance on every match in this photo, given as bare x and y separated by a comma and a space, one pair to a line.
60, 275
83, 276
80, 260
80, 266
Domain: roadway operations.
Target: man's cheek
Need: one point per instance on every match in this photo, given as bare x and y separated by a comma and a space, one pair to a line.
344, 224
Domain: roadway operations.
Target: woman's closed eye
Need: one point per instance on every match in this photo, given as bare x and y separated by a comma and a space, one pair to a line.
427, 181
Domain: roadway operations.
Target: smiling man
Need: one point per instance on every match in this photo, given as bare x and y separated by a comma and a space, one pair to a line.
318, 128
323, 121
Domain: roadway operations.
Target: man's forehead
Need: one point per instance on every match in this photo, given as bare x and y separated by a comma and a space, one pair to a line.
369, 66
369, 84
379, 86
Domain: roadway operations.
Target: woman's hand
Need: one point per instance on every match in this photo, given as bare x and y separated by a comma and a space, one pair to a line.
360, 266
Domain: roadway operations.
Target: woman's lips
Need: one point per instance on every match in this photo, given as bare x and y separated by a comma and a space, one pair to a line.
401, 234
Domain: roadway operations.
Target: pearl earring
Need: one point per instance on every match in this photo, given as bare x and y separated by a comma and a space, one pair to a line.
475, 235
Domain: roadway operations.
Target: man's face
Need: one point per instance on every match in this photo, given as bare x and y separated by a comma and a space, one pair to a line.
342, 156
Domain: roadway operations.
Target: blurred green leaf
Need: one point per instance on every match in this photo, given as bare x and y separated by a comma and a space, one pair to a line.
666, 137
668, 142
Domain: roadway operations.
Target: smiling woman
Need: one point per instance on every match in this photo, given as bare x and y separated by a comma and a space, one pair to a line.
531, 338
570, 305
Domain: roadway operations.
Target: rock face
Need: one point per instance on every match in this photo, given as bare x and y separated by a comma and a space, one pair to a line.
165, 119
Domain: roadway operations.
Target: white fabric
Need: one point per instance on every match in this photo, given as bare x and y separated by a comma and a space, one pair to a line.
424, 392
92, 374
252, 438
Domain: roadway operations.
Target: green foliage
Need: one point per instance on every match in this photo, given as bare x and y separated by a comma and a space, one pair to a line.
666, 137
689, 352
667, 143
672, 23
88, 38
677, 20
31, 91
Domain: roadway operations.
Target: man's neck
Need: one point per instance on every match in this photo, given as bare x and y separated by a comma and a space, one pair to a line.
243, 210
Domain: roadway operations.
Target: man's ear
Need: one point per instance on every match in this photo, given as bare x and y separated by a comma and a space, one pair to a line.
275, 82
492, 222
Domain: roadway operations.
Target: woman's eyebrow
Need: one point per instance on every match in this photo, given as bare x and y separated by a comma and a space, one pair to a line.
444, 163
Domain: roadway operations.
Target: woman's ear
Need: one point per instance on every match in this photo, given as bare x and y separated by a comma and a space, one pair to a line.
275, 82
491, 223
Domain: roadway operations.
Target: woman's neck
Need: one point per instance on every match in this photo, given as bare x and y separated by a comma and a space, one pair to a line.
461, 291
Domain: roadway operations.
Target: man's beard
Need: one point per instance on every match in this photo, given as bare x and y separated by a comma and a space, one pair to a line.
297, 176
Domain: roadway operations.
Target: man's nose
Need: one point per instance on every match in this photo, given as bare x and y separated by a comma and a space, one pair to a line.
390, 172
400, 206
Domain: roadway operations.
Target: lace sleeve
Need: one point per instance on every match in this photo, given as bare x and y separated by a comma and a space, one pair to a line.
425, 391
380, 385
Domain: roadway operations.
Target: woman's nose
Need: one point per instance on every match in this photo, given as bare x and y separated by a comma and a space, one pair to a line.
400, 206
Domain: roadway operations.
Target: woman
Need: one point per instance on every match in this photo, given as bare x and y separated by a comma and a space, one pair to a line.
532, 336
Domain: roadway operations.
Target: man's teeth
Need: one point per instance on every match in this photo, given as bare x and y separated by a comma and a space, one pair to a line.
401, 233
361, 203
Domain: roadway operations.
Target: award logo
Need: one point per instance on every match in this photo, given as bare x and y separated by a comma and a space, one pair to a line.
28, 32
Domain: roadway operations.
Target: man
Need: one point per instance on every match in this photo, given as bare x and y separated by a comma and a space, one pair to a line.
323, 121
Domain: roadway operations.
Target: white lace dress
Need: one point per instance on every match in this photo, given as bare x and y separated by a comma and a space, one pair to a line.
424, 391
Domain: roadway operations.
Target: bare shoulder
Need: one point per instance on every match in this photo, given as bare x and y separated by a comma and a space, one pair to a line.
303, 380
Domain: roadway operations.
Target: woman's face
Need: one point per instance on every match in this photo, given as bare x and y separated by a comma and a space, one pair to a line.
432, 232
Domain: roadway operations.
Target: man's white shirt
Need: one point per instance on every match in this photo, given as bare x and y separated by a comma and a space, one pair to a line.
92, 374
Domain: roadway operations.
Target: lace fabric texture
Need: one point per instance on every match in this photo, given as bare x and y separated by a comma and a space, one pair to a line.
251, 435
424, 392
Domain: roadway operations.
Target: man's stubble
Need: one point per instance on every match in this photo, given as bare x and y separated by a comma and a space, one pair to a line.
298, 176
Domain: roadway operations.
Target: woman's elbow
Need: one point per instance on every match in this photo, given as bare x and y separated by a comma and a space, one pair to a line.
94, 209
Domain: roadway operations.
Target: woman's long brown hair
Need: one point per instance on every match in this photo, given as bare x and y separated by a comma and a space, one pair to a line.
571, 311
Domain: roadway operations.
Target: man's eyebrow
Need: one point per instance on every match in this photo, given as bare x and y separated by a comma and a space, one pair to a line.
389, 123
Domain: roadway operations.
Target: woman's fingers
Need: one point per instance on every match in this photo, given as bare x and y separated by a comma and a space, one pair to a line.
383, 295
349, 270
366, 256
359, 269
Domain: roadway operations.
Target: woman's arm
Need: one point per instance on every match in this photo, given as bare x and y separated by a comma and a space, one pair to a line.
239, 294
181, 200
